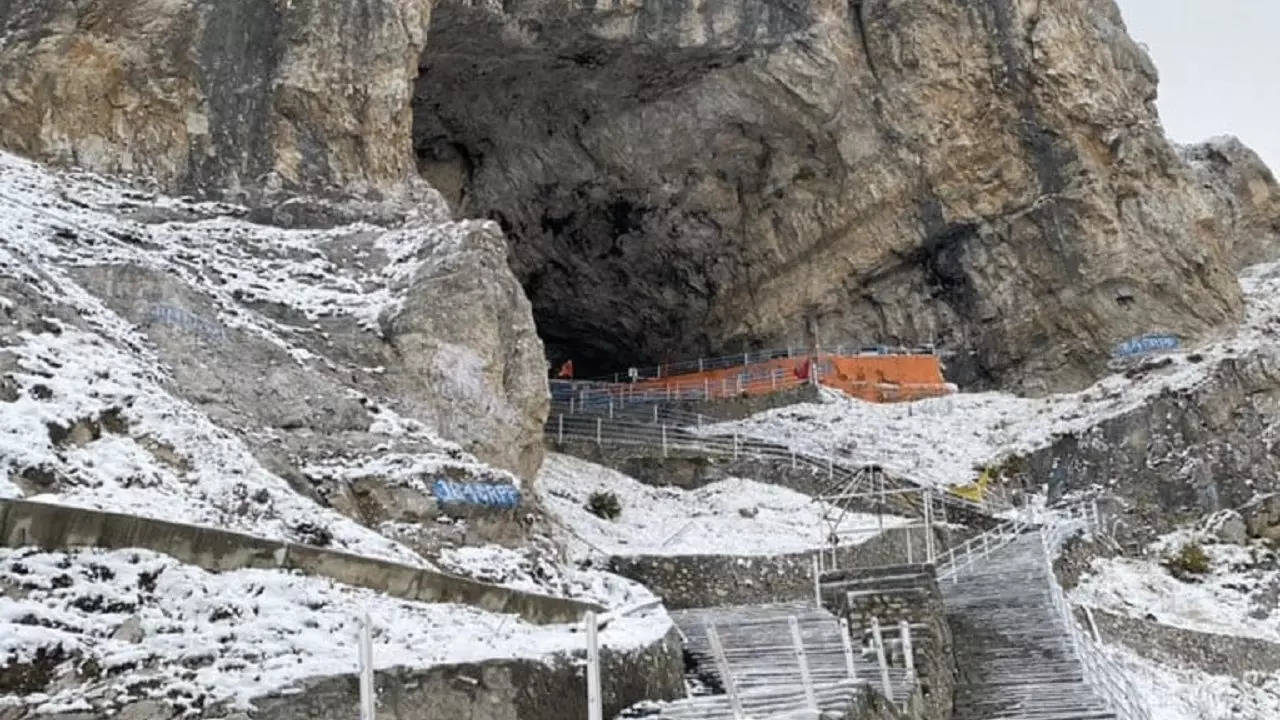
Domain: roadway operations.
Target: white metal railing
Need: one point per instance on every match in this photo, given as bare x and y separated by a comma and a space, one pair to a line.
1104, 674
846, 349
978, 548
842, 471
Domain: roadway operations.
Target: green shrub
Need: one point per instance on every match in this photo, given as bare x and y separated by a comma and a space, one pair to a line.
604, 505
1190, 561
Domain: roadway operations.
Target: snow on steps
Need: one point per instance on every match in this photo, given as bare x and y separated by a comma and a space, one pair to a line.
1016, 660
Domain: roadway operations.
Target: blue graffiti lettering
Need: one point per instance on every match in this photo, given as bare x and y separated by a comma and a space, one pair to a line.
189, 321
492, 495
1146, 344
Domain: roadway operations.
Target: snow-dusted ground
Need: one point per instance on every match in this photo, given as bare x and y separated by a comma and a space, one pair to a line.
1183, 694
194, 638
1234, 598
671, 521
164, 457
948, 441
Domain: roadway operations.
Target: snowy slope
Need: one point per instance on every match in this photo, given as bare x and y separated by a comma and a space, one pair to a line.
671, 521
948, 441
1182, 694
149, 449
140, 625
1234, 598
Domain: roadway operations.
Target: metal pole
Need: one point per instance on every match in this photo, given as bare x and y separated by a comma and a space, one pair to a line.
739, 383
730, 686
611, 408
570, 404
908, 656
595, 704
367, 701
560, 429
655, 413
928, 526
798, 642
817, 581
664, 440
880, 658
848, 649
706, 389
599, 423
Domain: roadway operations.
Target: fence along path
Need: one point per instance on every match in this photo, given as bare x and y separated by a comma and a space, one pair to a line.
845, 473
765, 672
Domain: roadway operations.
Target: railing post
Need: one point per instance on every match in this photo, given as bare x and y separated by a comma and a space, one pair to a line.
908, 655
571, 412
367, 699
655, 413
599, 433
881, 659
610, 408
706, 389
560, 429
739, 383
595, 704
848, 649
730, 686
803, 662
928, 526
817, 580
664, 440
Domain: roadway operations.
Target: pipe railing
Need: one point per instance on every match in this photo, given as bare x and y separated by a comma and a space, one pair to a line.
978, 547
846, 349
1103, 673
840, 469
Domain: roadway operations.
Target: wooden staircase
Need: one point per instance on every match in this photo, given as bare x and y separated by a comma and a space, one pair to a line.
1016, 660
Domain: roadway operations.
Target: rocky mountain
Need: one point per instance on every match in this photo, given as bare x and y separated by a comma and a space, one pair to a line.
690, 178
222, 97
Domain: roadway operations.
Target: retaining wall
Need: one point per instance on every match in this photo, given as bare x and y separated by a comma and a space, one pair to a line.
495, 690
891, 595
693, 581
57, 527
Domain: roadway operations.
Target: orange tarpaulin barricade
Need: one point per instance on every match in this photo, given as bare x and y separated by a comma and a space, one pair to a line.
875, 378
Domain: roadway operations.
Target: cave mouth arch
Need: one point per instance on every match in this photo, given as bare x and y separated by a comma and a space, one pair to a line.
551, 134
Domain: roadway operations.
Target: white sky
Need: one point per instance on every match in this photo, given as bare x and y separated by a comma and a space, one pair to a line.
1219, 64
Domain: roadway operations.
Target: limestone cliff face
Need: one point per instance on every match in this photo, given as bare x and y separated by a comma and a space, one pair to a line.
696, 177
215, 95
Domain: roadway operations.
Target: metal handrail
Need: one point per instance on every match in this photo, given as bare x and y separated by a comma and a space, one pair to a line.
720, 362
1103, 673
837, 467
